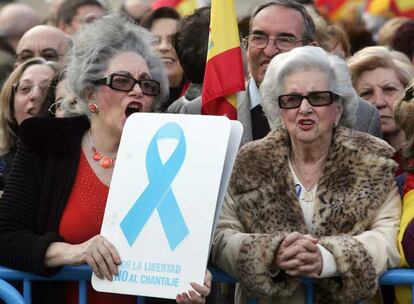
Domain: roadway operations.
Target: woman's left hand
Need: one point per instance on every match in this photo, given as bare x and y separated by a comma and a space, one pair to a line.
198, 297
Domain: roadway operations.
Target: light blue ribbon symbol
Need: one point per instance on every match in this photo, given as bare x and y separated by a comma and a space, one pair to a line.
158, 194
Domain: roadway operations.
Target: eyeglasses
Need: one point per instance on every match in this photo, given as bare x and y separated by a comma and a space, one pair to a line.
54, 107
62, 103
316, 99
125, 83
284, 43
47, 54
409, 94
27, 88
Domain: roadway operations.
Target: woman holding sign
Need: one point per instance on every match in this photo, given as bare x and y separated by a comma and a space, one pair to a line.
313, 198
53, 205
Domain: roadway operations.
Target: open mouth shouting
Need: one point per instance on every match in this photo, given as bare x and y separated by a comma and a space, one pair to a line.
133, 107
306, 124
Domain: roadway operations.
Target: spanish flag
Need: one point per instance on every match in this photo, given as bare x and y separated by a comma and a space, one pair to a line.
224, 69
379, 8
403, 8
184, 7
403, 293
391, 8
336, 10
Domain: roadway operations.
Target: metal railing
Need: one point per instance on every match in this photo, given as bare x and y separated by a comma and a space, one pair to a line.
399, 276
82, 274
9, 294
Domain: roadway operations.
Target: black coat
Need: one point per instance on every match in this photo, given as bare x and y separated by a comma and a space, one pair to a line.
35, 195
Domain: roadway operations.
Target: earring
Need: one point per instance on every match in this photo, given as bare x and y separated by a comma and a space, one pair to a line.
93, 108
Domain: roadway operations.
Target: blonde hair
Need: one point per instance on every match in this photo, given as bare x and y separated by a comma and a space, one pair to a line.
373, 57
387, 31
8, 123
338, 36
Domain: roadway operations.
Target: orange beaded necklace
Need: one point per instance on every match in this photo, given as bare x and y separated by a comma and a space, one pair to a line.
105, 162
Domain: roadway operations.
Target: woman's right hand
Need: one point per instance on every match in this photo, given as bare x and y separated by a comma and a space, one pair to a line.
101, 255
97, 252
199, 295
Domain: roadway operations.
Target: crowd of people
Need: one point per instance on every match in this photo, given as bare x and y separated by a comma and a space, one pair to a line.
328, 129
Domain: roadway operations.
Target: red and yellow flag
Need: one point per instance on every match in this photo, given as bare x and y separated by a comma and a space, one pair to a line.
339, 9
379, 7
403, 8
184, 7
390, 8
224, 69
347, 9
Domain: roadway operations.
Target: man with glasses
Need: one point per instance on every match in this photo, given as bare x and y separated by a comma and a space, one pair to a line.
277, 27
42, 41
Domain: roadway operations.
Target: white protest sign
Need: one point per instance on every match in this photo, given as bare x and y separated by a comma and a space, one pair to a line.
162, 201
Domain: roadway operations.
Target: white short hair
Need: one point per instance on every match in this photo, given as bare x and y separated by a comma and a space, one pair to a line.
303, 59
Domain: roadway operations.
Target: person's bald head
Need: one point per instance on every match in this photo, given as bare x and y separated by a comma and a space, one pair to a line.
43, 41
15, 20
136, 9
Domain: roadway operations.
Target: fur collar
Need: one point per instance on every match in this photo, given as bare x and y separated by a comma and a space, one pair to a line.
356, 162
266, 156
55, 135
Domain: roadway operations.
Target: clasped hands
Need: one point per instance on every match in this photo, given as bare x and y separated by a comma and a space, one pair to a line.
299, 255
104, 260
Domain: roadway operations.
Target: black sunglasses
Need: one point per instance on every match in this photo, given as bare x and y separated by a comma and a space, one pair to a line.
316, 99
125, 83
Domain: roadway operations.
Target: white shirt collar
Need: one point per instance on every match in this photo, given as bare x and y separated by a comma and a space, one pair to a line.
254, 94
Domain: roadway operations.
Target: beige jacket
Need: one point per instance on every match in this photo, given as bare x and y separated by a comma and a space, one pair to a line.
356, 218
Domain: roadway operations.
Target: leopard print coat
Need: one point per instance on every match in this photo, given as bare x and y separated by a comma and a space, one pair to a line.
351, 219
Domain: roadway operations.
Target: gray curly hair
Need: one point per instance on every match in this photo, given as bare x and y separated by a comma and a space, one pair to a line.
97, 43
304, 59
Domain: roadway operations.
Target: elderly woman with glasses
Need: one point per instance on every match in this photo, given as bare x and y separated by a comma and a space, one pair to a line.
313, 198
53, 205
21, 97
